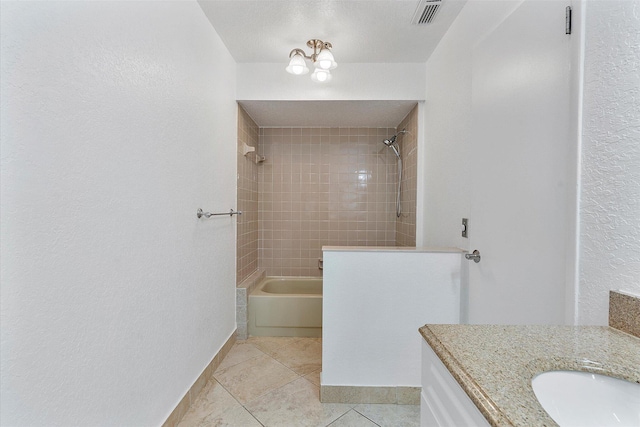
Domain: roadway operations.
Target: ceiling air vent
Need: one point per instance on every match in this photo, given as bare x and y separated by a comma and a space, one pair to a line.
426, 11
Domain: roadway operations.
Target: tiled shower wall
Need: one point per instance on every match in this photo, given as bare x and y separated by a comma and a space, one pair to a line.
408, 142
323, 186
247, 223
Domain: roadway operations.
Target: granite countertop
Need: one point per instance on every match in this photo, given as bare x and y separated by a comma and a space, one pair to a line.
494, 364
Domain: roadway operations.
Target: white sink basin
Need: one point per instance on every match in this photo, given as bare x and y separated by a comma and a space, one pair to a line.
583, 399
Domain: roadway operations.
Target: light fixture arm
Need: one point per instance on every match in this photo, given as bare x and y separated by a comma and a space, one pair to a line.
300, 52
315, 44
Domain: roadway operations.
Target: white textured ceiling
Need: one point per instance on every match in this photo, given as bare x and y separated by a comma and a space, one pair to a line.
361, 31
327, 113
371, 31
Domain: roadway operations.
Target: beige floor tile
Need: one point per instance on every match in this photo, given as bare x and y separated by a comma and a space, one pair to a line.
277, 379
295, 404
213, 400
391, 415
235, 417
303, 356
271, 344
314, 377
240, 352
353, 419
254, 377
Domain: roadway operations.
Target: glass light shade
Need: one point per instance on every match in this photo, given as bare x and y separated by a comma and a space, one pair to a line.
321, 76
297, 65
325, 60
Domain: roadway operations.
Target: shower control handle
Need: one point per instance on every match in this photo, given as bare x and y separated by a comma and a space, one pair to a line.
473, 256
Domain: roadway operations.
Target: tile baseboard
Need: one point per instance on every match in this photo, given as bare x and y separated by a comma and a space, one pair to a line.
358, 394
186, 401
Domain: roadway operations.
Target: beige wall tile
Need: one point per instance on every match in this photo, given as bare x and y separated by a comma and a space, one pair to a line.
317, 191
320, 186
247, 223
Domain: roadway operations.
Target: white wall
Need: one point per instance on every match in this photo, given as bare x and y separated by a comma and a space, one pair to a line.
610, 169
603, 162
118, 122
497, 144
448, 120
350, 82
374, 301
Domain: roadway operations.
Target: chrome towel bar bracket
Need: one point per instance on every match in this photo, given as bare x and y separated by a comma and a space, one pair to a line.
201, 214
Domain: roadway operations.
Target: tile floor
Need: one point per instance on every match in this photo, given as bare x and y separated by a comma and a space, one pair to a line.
275, 381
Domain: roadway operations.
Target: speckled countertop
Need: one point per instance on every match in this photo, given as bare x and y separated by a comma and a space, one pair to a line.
494, 364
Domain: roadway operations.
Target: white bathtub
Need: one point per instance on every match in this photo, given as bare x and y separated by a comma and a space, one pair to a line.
286, 307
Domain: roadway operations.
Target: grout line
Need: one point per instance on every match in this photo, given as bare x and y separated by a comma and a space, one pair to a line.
254, 417
231, 394
358, 412
345, 414
231, 366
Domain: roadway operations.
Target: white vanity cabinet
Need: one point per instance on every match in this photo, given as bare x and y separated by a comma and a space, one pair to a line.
443, 402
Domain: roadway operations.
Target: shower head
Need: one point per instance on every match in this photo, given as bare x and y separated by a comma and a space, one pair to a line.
389, 142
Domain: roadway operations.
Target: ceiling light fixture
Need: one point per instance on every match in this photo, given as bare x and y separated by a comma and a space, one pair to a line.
321, 57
